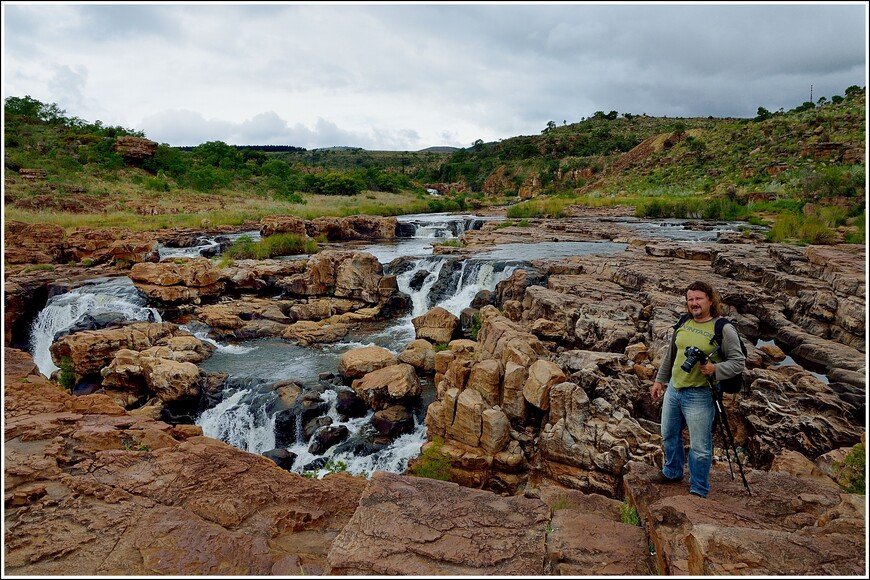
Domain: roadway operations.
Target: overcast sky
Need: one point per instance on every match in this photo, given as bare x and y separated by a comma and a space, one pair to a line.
414, 75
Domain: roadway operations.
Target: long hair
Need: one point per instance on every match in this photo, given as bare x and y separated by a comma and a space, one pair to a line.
715, 305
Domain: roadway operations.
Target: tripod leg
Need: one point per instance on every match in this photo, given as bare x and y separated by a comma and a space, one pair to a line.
718, 421
736, 457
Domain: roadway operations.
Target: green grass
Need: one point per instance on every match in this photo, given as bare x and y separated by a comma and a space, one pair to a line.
553, 207
67, 377
285, 244
851, 473
628, 514
433, 463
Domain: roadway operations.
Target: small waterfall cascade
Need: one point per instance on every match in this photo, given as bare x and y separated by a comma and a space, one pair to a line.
242, 418
444, 226
205, 245
92, 305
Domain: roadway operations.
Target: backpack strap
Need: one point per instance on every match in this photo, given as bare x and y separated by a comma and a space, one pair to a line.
718, 329
681, 321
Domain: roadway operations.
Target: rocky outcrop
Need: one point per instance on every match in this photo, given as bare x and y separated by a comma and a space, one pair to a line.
178, 282
32, 243
91, 489
114, 245
322, 296
134, 148
789, 525
357, 227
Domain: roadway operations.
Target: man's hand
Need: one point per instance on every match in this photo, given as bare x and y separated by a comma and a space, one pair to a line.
708, 369
657, 391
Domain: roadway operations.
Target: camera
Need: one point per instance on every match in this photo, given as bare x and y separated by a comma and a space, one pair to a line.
694, 355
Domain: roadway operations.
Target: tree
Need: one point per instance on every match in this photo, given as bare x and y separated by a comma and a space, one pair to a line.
762, 114
30, 107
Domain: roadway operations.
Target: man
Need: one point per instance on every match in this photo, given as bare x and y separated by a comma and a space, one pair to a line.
688, 401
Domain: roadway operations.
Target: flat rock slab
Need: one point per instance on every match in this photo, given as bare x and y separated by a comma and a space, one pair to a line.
790, 525
413, 526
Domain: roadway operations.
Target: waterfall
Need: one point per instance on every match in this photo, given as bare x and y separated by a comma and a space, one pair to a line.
205, 246
241, 421
106, 299
473, 276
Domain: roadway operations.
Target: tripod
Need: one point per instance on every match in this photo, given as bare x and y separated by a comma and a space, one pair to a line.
721, 421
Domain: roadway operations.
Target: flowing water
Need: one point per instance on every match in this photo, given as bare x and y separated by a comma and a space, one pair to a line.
103, 299
244, 416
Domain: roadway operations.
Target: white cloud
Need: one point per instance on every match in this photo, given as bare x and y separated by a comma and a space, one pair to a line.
409, 76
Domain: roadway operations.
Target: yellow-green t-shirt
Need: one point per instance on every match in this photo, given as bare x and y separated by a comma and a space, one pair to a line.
695, 334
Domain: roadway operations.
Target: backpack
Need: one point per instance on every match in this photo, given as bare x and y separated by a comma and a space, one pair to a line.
734, 384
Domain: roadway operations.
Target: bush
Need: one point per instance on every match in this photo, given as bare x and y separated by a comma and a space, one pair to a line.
276, 245
433, 463
67, 377
628, 514
851, 474
800, 229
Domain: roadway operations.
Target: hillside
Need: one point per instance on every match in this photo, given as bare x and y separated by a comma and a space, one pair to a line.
62, 169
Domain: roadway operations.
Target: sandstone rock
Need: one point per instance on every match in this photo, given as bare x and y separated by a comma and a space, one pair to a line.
399, 529
358, 227
33, 243
485, 378
280, 224
382, 387
359, 361
182, 281
420, 354
731, 532
437, 325
135, 148
89, 351
542, 376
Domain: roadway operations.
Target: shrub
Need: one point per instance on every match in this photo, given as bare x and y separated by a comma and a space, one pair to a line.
67, 377
851, 474
802, 230
433, 463
285, 244
628, 514
475, 325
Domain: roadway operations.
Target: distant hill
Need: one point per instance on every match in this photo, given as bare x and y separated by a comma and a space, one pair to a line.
442, 149
792, 161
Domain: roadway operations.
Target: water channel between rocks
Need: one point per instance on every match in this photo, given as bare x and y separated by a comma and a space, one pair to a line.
245, 415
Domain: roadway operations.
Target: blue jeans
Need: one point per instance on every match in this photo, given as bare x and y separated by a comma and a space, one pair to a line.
692, 407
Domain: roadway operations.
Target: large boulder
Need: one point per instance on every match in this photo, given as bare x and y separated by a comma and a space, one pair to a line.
438, 325
359, 361
173, 282
387, 386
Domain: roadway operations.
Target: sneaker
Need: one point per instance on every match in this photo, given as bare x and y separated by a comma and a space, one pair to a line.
662, 478
696, 494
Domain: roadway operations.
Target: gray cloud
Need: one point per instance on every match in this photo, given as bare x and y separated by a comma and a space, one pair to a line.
410, 76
